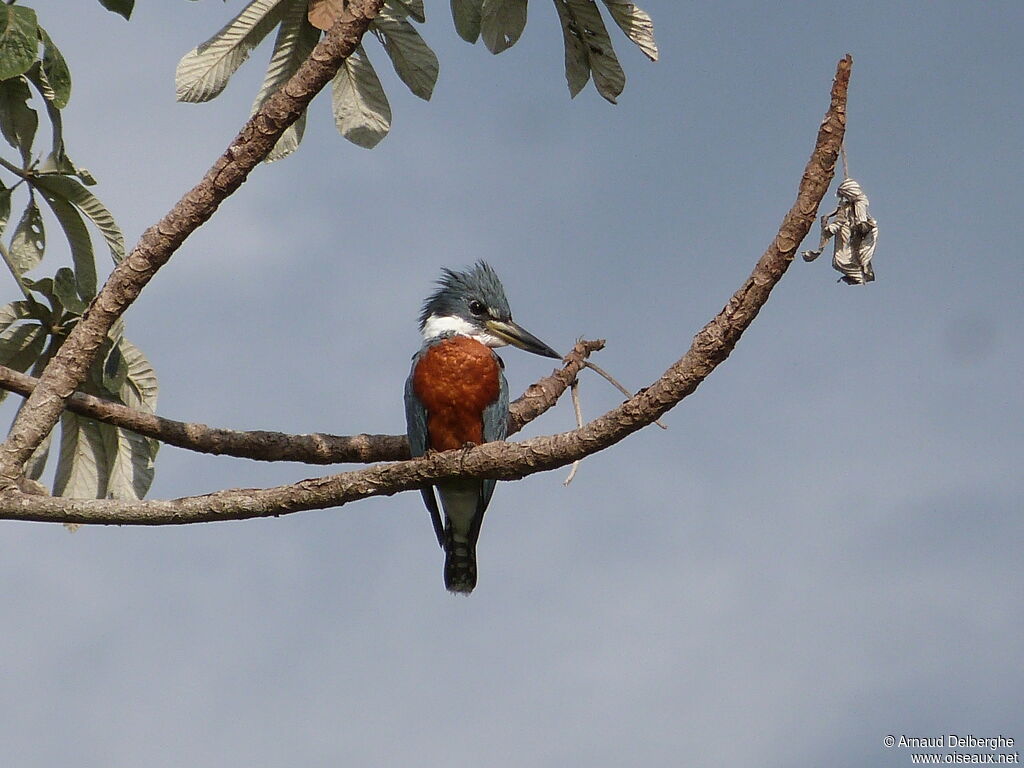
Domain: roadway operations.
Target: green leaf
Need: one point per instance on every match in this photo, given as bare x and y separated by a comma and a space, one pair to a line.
412, 8
18, 121
44, 287
296, 37
5, 207
18, 340
13, 312
66, 291
467, 15
412, 58
100, 460
110, 370
502, 23
636, 24
55, 70
20, 347
67, 188
29, 240
133, 455
82, 465
123, 7
361, 109
82, 255
131, 463
577, 66
18, 40
22, 310
204, 71
587, 45
57, 161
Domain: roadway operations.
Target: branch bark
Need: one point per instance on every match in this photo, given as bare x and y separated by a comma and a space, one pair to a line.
69, 366
317, 448
504, 461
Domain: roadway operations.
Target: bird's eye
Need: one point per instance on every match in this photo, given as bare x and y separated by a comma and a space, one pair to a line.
477, 308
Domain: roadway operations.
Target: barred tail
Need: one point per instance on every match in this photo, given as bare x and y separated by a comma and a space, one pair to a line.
460, 567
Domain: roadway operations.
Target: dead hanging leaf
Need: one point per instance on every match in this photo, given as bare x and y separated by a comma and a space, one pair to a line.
323, 13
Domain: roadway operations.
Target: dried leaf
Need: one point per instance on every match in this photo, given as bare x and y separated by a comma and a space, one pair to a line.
323, 13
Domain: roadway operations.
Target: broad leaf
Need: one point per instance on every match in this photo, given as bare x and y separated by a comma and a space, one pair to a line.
123, 7
80, 243
131, 471
361, 109
636, 24
100, 460
16, 340
69, 189
66, 291
502, 23
412, 8
296, 37
55, 71
18, 121
13, 312
204, 71
114, 371
20, 347
83, 465
577, 65
5, 207
140, 387
18, 40
467, 15
130, 463
587, 43
29, 239
412, 58
57, 160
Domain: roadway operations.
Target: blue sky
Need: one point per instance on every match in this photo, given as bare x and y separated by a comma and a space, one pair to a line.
824, 548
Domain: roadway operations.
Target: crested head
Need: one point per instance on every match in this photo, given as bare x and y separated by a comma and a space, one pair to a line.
472, 303
464, 302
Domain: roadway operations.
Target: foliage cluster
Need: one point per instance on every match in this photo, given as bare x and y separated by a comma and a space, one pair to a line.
99, 460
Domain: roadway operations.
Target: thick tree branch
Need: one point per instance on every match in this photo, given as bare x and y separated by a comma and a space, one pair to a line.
505, 461
317, 448
69, 366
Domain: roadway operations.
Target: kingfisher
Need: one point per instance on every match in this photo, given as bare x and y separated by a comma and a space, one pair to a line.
456, 396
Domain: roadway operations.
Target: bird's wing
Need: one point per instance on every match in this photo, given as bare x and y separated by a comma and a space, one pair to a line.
495, 428
416, 432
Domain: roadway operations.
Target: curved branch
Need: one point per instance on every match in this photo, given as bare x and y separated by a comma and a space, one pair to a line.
504, 461
317, 448
69, 366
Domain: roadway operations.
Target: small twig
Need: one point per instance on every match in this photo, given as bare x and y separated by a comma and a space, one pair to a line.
574, 392
614, 383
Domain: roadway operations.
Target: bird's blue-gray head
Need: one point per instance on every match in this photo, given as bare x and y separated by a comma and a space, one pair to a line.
472, 303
